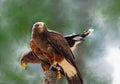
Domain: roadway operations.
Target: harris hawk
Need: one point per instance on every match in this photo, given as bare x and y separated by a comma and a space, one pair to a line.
54, 47
30, 57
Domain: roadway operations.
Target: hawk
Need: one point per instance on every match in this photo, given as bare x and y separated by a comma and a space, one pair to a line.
54, 47
30, 57
38, 56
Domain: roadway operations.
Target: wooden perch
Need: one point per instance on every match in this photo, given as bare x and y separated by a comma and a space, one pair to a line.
50, 76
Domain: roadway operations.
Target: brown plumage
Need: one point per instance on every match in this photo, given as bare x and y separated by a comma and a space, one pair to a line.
30, 57
55, 48
36, 56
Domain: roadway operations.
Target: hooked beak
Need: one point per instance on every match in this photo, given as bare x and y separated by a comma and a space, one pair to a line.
23, 64
40, 26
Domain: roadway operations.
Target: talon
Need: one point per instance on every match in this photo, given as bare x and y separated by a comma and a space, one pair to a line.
55, 65
58, 73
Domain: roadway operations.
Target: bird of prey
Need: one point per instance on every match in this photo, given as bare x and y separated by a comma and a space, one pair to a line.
30, 57
54, 47
51, 48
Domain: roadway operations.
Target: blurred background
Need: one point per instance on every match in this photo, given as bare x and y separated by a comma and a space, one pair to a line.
98, 56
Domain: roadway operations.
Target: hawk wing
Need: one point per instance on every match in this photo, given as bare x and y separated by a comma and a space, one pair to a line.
61, 48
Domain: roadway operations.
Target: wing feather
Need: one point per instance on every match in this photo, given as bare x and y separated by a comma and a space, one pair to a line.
61, 47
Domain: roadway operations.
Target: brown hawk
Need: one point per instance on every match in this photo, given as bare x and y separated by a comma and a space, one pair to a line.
53, 53
54, 47
30, 57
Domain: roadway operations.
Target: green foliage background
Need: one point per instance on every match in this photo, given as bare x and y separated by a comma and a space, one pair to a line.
66, 17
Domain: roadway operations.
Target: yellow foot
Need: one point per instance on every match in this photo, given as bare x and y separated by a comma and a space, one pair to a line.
58, 73
58, 69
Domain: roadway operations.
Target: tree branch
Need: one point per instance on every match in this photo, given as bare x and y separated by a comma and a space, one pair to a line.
50, 76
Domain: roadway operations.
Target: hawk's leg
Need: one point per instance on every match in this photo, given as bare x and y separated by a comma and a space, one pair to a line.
56, 65
58, 69
58, 72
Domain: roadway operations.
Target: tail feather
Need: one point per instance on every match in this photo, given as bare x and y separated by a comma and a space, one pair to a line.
86, 33
72, 73
75, 79
75, 39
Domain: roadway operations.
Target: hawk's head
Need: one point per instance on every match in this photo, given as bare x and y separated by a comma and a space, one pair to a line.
24, 62
27, 57
39, 26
